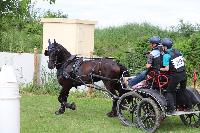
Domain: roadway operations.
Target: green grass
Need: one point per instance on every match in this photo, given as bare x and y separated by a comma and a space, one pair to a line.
37, 116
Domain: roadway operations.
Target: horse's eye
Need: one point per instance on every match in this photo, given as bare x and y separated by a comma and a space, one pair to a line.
46, 53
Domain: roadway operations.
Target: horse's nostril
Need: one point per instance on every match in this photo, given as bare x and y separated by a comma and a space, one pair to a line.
50, 66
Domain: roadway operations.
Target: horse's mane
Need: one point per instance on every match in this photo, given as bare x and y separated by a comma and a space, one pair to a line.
63, 50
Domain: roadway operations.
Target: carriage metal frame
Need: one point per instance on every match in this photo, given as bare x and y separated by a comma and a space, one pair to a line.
146, 106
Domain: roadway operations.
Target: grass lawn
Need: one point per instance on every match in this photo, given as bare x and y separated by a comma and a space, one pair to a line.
37, 116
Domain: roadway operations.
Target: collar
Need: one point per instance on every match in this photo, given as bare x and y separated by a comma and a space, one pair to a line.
155, 48
169, 50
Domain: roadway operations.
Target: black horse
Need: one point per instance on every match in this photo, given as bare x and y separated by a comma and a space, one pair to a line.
72, 71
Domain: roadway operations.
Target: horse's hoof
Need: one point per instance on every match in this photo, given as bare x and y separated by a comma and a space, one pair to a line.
112, 114
59, 112
73, 106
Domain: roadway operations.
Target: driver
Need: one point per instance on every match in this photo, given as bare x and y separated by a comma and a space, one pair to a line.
153, 61
173, 62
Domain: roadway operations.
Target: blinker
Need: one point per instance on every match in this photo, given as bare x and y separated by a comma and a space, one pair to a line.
46, 53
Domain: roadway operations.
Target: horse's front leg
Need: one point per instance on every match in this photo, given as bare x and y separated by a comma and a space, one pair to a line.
62, 98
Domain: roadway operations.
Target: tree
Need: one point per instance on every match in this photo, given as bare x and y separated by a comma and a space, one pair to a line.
16, 15
186, 29
8, 7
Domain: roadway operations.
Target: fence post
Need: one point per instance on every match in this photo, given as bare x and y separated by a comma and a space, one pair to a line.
36, 79
90, 88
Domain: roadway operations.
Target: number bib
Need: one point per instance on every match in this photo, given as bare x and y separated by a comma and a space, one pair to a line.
178, 62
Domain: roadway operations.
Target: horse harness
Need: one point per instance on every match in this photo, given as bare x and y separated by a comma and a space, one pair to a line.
73, 64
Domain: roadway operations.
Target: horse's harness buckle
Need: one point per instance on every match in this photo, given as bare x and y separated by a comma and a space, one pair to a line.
75, 63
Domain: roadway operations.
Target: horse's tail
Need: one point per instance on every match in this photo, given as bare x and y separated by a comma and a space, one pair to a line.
123, 69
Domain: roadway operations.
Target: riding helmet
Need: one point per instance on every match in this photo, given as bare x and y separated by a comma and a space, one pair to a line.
167, 42
155, 39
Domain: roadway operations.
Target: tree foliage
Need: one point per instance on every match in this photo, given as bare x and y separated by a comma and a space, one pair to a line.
20, 29
50, 14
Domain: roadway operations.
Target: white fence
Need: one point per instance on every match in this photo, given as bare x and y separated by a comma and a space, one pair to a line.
23, 64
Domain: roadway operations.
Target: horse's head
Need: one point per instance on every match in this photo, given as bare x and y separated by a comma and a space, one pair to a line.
52, 51
57, 54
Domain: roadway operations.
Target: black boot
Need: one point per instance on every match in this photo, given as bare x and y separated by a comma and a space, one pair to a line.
170, 102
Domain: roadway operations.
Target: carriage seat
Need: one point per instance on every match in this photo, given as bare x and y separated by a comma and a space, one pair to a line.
159, 80
154, 79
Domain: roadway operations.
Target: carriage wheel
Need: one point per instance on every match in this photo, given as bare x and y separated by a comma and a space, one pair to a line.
148, 115
192, 120
126, 108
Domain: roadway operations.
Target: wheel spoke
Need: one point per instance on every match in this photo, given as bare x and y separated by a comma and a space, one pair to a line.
187, 116
132, 110
144, 118
152, 118
132, 117
194, 118
195, 108
152, 122
148, 117
125, 107
190, 120
197, 115
145, 108
147, 123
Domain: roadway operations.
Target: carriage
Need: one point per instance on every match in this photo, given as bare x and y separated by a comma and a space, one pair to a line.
145, 105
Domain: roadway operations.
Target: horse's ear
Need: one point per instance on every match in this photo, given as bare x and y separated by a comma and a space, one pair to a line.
46, 53
54, 41
49, 41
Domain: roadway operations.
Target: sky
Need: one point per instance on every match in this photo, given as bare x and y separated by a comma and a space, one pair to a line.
162, 13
